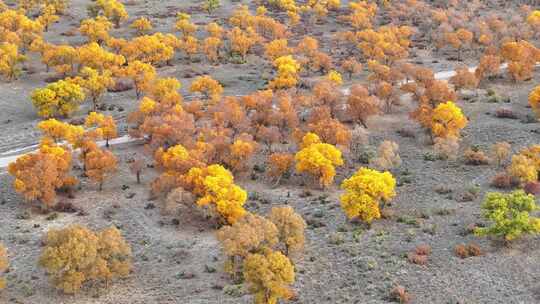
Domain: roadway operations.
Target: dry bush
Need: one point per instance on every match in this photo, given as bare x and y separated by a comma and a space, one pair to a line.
400, 294
417, 259
447, 148
505, 113
176, 199
500, 152
388, 156
468, 250
475, 157
461, 251
504, 181
420, 254
423, 249
532, 188
136, 167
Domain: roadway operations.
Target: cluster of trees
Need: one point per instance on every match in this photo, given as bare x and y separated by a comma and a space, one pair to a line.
203, 146
259, 251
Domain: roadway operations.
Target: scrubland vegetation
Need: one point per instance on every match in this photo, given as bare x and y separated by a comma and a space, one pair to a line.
317, 151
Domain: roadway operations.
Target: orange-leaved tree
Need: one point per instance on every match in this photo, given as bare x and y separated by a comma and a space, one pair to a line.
100, 165
39, 175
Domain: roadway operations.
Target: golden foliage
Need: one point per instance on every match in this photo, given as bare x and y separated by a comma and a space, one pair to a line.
287, 73
207, 86
104, 126
142, 74
320, 160
75, 255
141, 25
94, 83
290, 226
10, 60
214, 186
534, 100
268, 277
4, 264
59, 98
250, 234
365, 191
447, 120
154, 49
94, 56
96, 30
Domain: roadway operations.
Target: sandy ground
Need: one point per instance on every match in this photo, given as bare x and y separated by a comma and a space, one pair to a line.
177, 258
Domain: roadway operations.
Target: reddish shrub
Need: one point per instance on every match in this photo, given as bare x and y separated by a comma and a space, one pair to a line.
423, 249
505, 113
461, 251
474, 250
398, 293
417, 259
464, 251
503, 181
475, 158
532, 188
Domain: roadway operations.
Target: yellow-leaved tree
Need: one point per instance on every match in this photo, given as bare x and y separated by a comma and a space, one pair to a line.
447, 120
94, 56
75, 255
94, 83
60, 98
96, 30
4, 264
142, 74
104, 126
318, 159
114, 10
57, 131
209, 87
141, 25
214, 186
366, 190
269, 276
250, 234
10, 60
291, 227
287, 73
534, 100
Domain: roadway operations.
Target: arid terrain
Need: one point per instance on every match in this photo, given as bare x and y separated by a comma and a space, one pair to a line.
176, 255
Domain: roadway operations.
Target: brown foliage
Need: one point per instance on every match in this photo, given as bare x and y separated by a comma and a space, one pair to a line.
360, 105
467, 250
475, 157
398, 293
279, 164
504, 181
